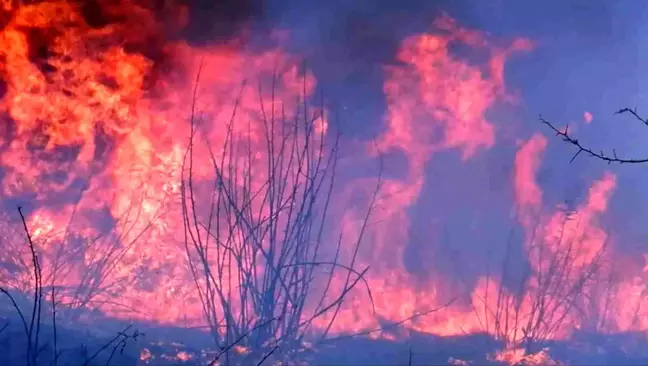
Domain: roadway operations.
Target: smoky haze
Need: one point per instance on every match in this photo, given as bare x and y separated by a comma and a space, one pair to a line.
349, 43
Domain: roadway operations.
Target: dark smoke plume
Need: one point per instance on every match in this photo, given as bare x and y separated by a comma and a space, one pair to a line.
220, 20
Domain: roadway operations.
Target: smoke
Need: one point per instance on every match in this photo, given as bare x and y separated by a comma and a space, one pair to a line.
211, 21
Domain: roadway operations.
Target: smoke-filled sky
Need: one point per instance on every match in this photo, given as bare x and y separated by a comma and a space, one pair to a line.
586, 58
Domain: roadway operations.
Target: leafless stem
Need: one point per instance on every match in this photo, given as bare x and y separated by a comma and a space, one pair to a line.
550, 292
601, 155
254, 234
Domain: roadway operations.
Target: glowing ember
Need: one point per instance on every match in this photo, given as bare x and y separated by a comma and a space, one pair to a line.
588, 117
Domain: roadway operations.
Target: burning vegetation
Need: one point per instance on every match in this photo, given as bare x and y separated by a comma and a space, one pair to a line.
183, 203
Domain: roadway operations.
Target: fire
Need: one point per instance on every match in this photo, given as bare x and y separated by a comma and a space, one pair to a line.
435, 102
527, 162
90, 105
518, 357
101, 110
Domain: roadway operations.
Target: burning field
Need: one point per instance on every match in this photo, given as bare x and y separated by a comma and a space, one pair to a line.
180, 188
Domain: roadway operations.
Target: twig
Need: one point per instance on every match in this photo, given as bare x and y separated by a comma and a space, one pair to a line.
392, 325
229, 346
267, 355
254, 243
20, 313
120, 338
55, 330
565, 136
634, 113
35, 321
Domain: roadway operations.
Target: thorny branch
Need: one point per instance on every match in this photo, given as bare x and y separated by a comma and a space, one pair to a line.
601, 155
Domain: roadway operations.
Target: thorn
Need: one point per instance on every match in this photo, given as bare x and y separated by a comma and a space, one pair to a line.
575, 155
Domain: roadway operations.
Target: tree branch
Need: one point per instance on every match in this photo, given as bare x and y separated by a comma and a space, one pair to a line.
614, 158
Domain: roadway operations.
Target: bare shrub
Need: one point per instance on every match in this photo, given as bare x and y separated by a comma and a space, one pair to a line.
526, 308
257, 235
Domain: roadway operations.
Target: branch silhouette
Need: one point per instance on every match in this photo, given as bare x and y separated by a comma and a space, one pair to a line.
601, 155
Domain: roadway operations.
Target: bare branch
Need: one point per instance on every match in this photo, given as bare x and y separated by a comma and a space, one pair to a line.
634, 113
256, 232
613, 158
